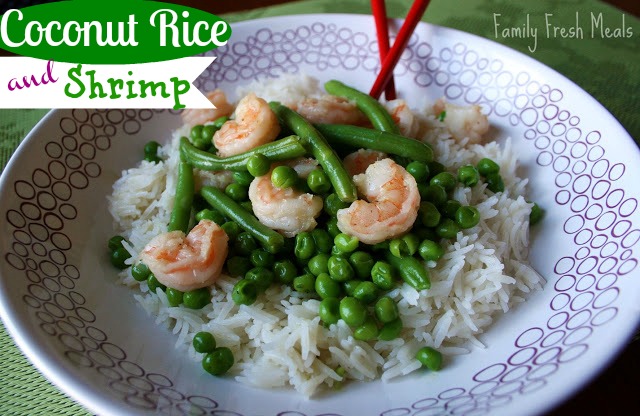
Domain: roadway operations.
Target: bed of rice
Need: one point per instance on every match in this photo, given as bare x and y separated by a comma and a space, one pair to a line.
280, 341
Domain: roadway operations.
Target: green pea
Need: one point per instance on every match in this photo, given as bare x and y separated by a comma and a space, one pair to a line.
301, 185
326, 287
428, 214
346, 243
444, 179
196, 132
261, 276
339, 269
243, 178
449, 208
468, 175
367, 331
211, 215
204, 342
245, 292
381, 246
382, 274
390, 330
261, 258
237, 192
405, 246
419, 170
115, 242
335, 251
350, 287
332, 204
196, 299
217, 123
258, 165
151, 148
435, 194
495, 183
362, 263
232, 229
401, 160
305, 283
218, 362
424, 233
329, 310
284, 176
154, 159
305, 247
430, 250
366, 292
208, 131
285, 271
386, 310
435, 168
174, 296
536, 215
352, 311
423, 190
332, 227
467, 217
487, 166
323, 240
319, 264
430, 358
245, 244
247, 205
118, 258
154, 284
140, 272
447, 228
238, 265
318, 182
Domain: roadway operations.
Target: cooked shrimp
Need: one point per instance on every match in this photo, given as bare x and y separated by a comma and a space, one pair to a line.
331, 110
467, 121
358, 162
403, 116
187, 262
286, 210
391, 207
194, 116
254, 124
303, 166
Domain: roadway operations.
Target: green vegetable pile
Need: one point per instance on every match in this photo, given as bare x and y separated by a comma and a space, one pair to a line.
351, 279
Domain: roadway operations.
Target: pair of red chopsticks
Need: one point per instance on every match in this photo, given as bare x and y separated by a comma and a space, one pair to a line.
390, 57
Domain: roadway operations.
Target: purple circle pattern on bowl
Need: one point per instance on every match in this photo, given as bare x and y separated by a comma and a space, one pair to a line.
585, 182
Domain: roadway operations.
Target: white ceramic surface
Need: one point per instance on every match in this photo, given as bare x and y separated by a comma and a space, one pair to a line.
59, 301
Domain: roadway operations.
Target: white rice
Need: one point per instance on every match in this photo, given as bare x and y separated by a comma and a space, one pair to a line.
280, 341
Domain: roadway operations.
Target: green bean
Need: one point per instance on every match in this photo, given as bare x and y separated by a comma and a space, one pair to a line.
375, 112
411, 270
322, 152
181, 212
270, 240
363, 138
288, 148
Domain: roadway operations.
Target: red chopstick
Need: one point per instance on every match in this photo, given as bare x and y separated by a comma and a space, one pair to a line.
382, 31
386, 72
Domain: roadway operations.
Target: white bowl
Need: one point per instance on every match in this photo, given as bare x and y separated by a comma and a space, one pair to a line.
59, 300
